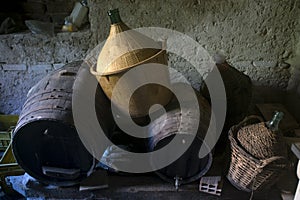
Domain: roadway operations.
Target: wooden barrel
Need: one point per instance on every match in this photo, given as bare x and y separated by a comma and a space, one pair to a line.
45, 142
189, 167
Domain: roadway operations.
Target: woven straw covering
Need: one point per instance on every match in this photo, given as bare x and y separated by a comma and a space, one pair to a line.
247, 172
126, 48
260, 141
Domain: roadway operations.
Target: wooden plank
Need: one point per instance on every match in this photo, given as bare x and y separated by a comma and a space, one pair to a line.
288, 122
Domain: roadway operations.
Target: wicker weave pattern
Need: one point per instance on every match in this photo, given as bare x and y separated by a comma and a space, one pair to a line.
249, 173
126, 48
259, 141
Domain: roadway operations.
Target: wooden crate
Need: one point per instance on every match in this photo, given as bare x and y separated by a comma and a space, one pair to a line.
4, 140
7, 121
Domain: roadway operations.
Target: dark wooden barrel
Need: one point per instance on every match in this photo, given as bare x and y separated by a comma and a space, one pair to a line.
45, 142
189, 167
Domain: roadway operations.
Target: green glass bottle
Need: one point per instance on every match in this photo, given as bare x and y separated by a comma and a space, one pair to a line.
114, 16
274, 122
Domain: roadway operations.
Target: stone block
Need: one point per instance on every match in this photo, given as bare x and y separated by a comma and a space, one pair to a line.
14, 67
58, 65
242, 64
266, 64
40, 67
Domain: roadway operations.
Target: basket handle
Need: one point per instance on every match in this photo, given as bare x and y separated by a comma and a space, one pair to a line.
270, 160
248, 118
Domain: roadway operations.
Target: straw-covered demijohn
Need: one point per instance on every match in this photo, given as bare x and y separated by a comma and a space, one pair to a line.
123, 50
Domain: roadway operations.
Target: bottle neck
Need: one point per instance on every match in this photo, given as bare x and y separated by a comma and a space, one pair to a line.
84, 2
274, 122
114, 16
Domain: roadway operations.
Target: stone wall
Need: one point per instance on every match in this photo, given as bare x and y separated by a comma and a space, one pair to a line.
294, 82
26, 58
258, 37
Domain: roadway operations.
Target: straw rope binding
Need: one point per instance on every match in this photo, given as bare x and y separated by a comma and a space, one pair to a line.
159, 57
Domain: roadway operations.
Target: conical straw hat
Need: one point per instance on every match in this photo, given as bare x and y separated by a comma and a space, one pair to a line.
125, 48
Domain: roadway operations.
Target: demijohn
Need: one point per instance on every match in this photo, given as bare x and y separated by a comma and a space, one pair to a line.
126, 49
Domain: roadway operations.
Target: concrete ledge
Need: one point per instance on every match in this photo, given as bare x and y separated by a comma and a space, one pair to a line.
14, 67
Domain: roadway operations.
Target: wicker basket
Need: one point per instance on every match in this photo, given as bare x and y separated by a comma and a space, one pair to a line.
248, 173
